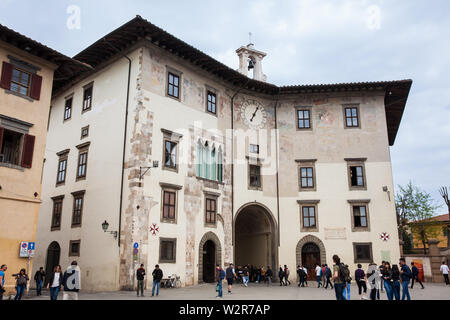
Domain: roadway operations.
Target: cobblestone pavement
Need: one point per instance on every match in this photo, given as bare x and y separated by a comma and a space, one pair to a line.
253, 292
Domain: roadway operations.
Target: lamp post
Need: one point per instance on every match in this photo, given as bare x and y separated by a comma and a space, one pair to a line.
105, 226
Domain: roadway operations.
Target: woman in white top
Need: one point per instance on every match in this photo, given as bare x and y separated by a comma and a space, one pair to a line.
55, 282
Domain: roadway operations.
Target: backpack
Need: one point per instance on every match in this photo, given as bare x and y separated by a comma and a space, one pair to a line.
328, 272
407, 272
344, 273
222, 274
229, 273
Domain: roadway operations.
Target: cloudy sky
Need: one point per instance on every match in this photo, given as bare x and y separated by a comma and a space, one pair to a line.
307, 41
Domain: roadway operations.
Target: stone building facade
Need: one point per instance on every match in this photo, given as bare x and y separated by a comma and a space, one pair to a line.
248, 172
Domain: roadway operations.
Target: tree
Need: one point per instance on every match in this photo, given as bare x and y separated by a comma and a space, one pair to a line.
444, 194
413, 207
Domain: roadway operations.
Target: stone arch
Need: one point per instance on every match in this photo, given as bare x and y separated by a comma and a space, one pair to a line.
310, 239
206, 237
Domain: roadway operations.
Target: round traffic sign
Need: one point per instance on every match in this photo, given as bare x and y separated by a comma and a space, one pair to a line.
136, 245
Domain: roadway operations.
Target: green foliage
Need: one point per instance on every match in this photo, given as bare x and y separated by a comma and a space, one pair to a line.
407, 242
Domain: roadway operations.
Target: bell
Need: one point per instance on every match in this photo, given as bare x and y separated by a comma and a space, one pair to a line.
250, 64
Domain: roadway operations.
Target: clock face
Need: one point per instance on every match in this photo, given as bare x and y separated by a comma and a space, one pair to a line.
253, 114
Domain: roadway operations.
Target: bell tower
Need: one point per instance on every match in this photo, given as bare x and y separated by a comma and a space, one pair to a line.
250, 58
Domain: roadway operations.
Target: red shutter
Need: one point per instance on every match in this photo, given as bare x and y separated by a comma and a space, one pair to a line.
1, 139
36, 83
28, 149
7, 70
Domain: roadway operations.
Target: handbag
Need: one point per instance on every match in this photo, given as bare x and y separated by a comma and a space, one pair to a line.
217, 288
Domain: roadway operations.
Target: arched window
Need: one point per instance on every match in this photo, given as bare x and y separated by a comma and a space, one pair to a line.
213, 164
220, 165
199, 158
207, 162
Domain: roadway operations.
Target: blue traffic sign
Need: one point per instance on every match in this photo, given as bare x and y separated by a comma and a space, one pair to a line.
136, 245
31, 245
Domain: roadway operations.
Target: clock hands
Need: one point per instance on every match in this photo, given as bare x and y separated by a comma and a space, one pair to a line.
254, 114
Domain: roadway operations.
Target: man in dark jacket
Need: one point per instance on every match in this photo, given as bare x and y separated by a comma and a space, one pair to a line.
269, 275
415, 276
405, 275
39, 278
72, 282
157, 276
140, 273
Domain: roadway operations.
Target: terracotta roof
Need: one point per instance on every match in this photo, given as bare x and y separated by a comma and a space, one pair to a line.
441, 218
68, 68
396, 92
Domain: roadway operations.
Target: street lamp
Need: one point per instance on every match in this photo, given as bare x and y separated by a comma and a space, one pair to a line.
105, 226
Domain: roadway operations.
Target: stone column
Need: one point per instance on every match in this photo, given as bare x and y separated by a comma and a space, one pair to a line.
435, 260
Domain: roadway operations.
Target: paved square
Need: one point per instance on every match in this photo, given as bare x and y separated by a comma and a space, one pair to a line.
255, 292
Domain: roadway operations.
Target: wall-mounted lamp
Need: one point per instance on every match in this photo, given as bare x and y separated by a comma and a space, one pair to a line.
385, 189
105, 226
142, 172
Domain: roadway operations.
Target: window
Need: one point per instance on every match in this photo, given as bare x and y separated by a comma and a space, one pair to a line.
254, 176
84, 132
304, 119
360, 216
62, 167
74, 248
356, 174
82, 161
308, 215
87, 97
210, 210
78, 201
211, 102
170, 154
173, 85
169, 202
307, 179
359, 210
68, 108
167, 250
362, 252
254, 148
209, 162
16, 147
351, 116
20, 78
57, 212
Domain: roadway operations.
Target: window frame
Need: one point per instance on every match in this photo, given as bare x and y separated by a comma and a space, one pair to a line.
71, 253
212, 92
62, 156
166, 187
57, 200
68, 98
251, 148
303, 108
209, 196
359, 203
82, 149
356, 162
172, 137
89, 86
174, 250
19, 84
176, 73
309, 204
302, 164
78, 195
356, 260
249, 170
358, 115
87, 135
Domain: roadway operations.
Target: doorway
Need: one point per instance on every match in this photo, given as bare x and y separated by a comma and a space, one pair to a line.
53, 254
310, 259
209, 261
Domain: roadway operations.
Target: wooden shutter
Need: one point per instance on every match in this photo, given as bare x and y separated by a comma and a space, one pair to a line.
7, 70
36, 83
1, 138
28, 149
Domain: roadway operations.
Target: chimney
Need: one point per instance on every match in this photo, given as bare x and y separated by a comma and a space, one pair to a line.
250, 58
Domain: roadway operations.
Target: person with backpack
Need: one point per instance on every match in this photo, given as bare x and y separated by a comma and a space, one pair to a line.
157, 276
281, 276
348, 284
286, 275
269, 275
405, 276
140, 274
299, 275
230, 274
360, 278
220, 275
245, 274
39, 278
415, 276
328, 277
339, 277
21, 283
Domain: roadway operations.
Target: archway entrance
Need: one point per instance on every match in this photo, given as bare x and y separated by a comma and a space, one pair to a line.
310, 252
311, 258
209, 261
53, 254
255, 237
